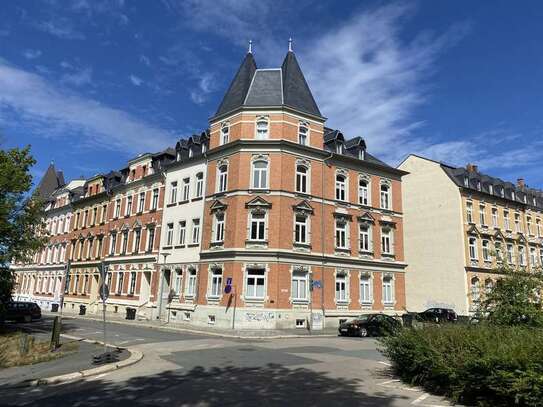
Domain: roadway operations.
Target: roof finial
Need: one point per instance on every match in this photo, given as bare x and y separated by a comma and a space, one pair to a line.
250, 46
290, 45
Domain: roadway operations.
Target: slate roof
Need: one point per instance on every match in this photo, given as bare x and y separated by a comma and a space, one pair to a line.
285, 86
494, 186
51, 180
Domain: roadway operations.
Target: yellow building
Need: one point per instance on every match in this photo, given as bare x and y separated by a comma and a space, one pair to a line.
459, 225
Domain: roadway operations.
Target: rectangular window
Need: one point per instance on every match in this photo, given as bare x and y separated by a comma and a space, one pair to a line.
132, 288
365, 289
178, 280
137, 240
486, 250
365, 237
117, 208
94, 216
255, 283
260, 174
258, 226
262, 129
494, 217
363, 192
113, 245
517, 223
301, 179
522, 255
341, 188
141, 202
473, 248
173, 192
510, 254
182, 232
216, 283
186, 189
300, 229
199, 185
191, 284
219, 227
104, 213
388, 290
124, 244
300, 284
469, 212
150, 239
529, 225
154, 202
196, 231
533, 257
222, 178
169, 234
385, 196
386, 241
303, 134
482, 214
225, 133
341, 287
506, 222
341, 234
120, 280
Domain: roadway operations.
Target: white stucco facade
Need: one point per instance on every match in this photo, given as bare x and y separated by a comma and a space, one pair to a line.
434, 244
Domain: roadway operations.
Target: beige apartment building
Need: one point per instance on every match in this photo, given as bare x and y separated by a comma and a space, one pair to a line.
460, 225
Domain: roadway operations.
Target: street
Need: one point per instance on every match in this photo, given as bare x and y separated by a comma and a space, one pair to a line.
183, 369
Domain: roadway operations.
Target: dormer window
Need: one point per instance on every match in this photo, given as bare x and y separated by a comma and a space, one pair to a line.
466, 182
478, 185
144, 171
191, 152
513, 195
262, 128
225, 133
502, 192
361, 154
204, 148
179, 156
491, 189
303, 134
339, 148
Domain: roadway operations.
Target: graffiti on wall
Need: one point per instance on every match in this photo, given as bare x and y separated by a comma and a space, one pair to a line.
259, 316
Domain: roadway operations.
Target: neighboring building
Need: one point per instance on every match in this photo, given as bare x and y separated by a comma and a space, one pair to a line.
42, 279
117, 225
290, 202
181, 227
460, 225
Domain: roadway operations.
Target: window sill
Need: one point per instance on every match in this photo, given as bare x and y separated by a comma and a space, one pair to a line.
184, 201
198, 198
171, 204
366, 253
256, 243
302, 245
344, 250
389, 256
259, 191
153, 210
167, 247
300, 301
179, 246
217, 244
193, 245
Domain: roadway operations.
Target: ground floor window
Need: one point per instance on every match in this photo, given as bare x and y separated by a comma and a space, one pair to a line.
255, 284
341, 287
365, 289
216, 282
388, 290
177, 282
191, 286
132, 283
120, 280
300, 285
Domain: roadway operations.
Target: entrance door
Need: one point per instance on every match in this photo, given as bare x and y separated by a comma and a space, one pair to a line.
166, 278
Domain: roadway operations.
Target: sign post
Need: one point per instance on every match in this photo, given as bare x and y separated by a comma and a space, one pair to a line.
228, 290
104, 294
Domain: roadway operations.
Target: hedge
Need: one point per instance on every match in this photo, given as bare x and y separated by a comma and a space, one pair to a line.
474, 365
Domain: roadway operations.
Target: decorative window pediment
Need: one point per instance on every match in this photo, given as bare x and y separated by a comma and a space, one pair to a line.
303, 162
343, 217
136, 224
366, 218
499, 235
300, 268
341, 171
126, 226
472, 230
217, 206
258, 202
303, 207
222, 161
522, 238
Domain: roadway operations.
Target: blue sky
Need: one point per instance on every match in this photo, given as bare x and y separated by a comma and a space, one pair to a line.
90, 84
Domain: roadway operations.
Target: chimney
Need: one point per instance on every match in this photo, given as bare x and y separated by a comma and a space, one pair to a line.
520, 183
472, 167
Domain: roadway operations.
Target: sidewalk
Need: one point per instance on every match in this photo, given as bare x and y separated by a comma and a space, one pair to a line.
227, 333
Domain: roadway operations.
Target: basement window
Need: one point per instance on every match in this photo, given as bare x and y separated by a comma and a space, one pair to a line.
300, 323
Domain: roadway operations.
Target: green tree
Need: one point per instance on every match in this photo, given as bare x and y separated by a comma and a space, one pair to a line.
515, 299
22, 229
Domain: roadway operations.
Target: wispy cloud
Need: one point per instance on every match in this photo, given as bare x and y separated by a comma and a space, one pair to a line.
49, 110
136, 81
32, 53
145, 60
61, 28
78, 78
206, 85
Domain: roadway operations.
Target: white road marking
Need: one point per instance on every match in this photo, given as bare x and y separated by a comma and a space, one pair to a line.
386, 363
421, 398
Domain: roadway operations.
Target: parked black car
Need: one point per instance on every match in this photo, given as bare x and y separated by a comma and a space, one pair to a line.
438, 315
370, 325
22, 311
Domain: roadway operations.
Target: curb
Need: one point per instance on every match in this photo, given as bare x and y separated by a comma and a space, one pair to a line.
195, 331
135, 357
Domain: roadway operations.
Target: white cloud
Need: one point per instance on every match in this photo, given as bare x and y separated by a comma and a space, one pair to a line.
135, 80
145, 60
61, 28
32, 53
78, 78
49, 111
206, 85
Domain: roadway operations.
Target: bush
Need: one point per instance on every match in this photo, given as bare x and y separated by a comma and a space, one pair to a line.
476, 365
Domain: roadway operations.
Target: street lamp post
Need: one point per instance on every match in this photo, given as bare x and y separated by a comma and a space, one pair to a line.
161, 285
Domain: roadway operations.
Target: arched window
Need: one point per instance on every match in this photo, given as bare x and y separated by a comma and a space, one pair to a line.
222, 175
301, 179
385, 196
199, 184
363, 192
262, 128
225, 133
475, 289
489, 285
260, 174
341, 187
303, 133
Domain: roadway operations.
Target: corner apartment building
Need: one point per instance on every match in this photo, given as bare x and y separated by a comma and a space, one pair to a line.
304, 224
461, 224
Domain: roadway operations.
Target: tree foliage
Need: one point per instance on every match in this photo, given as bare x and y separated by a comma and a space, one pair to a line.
515, 299
22, 230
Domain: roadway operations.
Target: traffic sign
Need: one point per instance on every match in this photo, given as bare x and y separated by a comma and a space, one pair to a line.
229, 281
227, 289
104, 292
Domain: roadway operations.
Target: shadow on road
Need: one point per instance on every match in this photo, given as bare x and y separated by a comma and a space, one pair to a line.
272, 385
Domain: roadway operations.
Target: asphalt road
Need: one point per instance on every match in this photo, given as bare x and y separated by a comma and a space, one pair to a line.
184, 369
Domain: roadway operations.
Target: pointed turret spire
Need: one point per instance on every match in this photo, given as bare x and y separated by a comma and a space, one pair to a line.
290, 45
296, 92
250, 47
237, 91
51, 180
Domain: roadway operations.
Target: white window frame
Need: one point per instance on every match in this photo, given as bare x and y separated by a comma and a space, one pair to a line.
495, 217
182, 232
303, 136
260, 175
366, 287
199, 187
385, 196
219, 222
141, 202
299, 285
364, 191
224, 133
301, 229
186, 189
257, 221
341, 189
192, 280
341, 296
387, 240
301, 181
155, 198
262, 133
215, 282
195, 231
472, 244
258, 274
482, 214
173, 192
365, 237
222, 177
469, 212
485, 244
388, 290
169, 234
341, 228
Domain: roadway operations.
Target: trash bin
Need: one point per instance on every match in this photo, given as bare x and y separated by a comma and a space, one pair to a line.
82, 310
131, 313
54, 307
